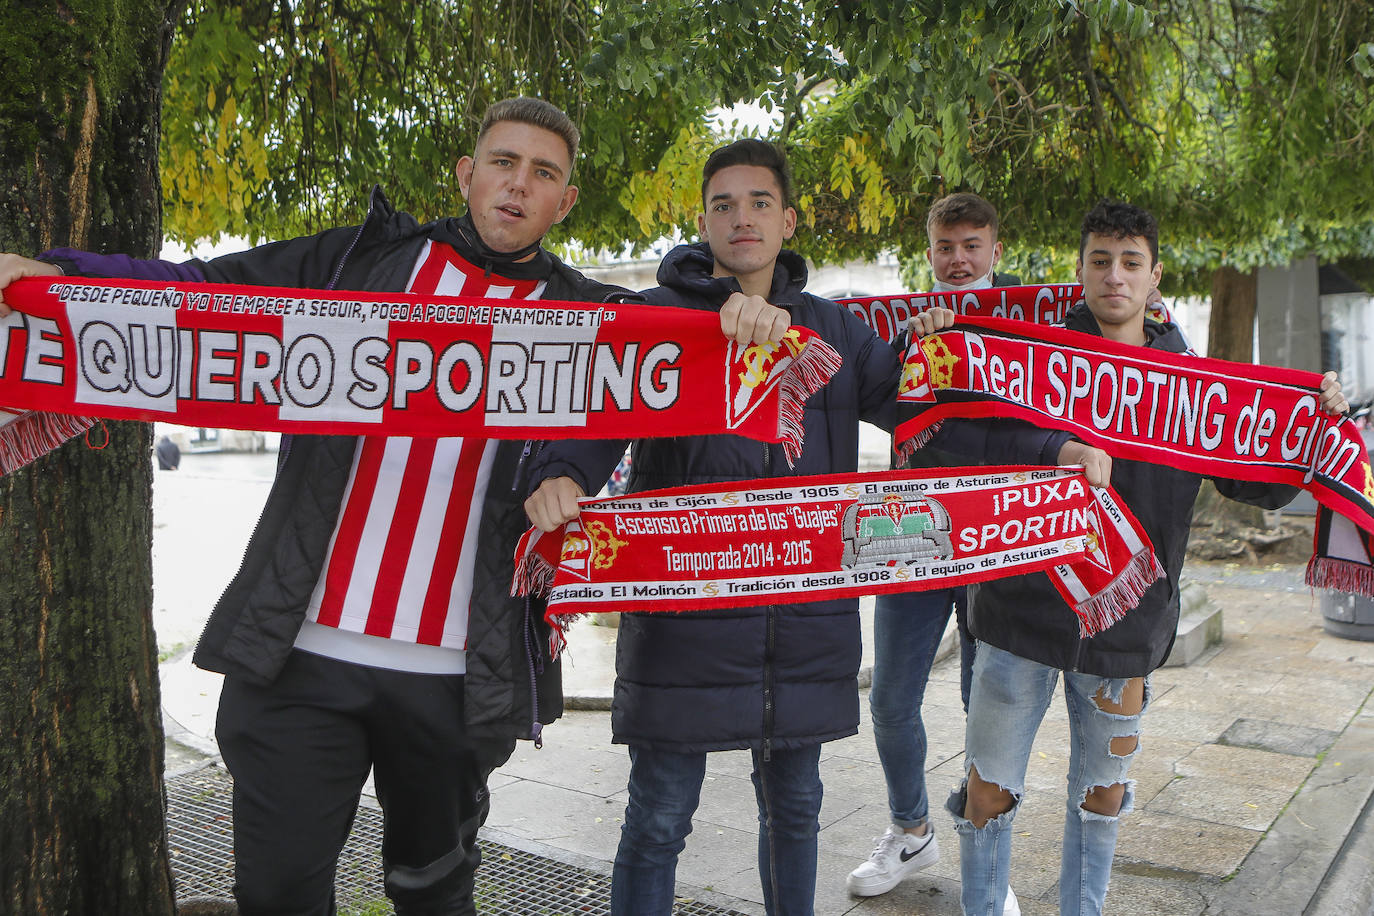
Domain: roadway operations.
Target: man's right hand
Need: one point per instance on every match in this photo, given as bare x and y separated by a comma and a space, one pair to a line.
554, 503
928, 322
1097, 464
14, 267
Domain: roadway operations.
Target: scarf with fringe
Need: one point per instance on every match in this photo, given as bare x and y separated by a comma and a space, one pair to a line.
798, 539
1208, 416
390, 364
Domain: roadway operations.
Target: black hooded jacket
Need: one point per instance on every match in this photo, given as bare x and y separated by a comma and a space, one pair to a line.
778, 675
511, 686
1025, 615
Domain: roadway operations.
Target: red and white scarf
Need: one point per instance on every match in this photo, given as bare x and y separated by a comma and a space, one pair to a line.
293, 360
840, 535
1209, 416
1045, 304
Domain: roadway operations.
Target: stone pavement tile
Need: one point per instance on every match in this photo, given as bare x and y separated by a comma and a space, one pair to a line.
575, 821
859, 782
1037, 845
722, 860
596, 770
1296, 854
1351, 651
1280, 737
1188, 718
1204, 681
1183, 843
1240, 787
1263, 657
1245, 764
1153, 895
1337, 687
1149, 783
923, 894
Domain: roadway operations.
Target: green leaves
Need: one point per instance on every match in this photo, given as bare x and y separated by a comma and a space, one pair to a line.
279, 116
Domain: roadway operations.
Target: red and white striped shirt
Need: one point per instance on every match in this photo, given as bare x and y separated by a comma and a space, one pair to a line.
397, 579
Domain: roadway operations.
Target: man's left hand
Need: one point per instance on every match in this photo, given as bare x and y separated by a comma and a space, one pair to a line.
1333, 400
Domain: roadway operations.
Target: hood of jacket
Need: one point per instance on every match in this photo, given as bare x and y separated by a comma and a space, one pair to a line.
688, 269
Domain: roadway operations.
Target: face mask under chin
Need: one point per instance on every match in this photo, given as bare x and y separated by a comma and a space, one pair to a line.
983, 282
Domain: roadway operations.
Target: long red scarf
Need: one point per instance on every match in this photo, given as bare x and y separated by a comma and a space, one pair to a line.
1210, 416
841, 535
293, 360
1046, 304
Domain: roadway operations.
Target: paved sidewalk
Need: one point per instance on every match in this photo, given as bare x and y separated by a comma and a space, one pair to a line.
1257, 763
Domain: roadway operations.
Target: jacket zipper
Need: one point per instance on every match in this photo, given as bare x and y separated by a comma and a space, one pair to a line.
536, 667
768, 668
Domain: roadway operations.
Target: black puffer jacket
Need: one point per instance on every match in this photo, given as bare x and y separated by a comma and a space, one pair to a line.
780, 675
1025, 614
254, 625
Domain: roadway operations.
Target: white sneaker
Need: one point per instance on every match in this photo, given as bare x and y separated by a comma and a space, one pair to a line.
1011, 907
897, 856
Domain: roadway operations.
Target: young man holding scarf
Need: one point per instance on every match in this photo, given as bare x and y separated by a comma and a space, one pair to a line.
778, 679
371, 626
1028, 636
907, 626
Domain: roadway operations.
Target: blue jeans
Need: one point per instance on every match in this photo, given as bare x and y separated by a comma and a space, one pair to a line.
1009, 699
907, 627
665, 788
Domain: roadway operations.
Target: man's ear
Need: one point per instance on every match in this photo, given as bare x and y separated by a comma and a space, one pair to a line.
463, 169
1157, 273
566, 204
789, 223
701, 227
996, 254
1078, 271
930, 257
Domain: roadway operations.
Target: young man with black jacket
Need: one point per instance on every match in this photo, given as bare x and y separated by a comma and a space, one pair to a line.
371, 625
1027, 635
777, 679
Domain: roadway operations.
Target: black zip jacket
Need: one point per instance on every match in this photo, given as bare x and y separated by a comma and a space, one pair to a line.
778, 675
511, 687
1025, 614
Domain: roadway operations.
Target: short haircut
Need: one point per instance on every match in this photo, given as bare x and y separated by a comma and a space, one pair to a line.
962, 207
749, 151
536, 113
1119, 220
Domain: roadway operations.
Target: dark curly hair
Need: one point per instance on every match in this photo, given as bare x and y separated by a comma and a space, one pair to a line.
1119, 220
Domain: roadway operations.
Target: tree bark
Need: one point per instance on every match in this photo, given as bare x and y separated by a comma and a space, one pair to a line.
1235, 529
1231, 328
82, 803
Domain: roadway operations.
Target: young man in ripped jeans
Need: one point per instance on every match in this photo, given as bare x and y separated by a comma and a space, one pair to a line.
1027, 635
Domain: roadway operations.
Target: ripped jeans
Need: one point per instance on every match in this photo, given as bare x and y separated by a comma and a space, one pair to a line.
1008, 702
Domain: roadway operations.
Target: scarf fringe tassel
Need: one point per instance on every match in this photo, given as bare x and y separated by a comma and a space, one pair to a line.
808, 374
1342, 575
917, 442
30, 435
1109, 605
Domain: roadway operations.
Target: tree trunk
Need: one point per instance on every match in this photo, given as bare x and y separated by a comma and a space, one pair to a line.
1233, 529
1231, 329
82, 822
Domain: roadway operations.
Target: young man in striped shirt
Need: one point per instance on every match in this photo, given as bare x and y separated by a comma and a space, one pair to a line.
370, 626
